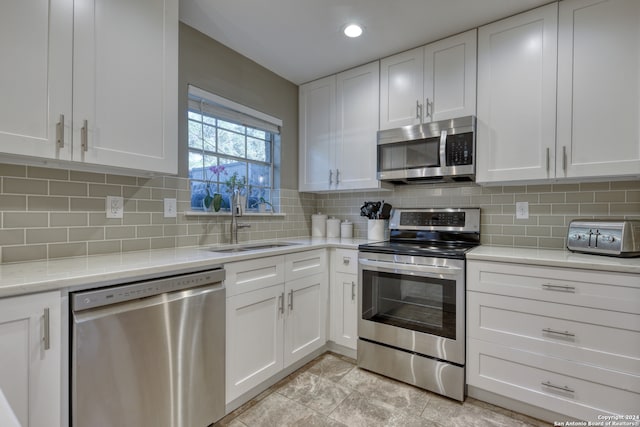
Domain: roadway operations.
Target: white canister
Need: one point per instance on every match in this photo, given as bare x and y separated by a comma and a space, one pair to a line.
318, 225
346, 229
333, 227
377, 230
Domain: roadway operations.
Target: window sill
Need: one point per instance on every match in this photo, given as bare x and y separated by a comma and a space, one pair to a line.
226, 213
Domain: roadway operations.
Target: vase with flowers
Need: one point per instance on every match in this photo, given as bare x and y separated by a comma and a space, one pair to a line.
213, 199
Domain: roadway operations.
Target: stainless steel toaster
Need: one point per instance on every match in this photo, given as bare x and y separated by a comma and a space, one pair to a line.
620, 238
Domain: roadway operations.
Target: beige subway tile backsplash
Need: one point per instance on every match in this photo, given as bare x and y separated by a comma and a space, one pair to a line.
51, 213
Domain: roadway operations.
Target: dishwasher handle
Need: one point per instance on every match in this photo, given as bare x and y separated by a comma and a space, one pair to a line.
113, 295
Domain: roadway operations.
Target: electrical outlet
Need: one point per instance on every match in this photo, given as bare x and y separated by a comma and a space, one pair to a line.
170, 208
115, 207
522, 210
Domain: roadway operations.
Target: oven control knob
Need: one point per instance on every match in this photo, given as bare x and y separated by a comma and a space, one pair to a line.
577, 237
608, 239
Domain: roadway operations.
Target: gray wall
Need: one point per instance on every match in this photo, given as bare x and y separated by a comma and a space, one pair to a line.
211, 66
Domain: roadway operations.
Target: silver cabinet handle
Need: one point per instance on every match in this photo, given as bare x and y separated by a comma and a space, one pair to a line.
553, 331
563, 388
337, 176
564, 158
330, 176
353, 291
291, 300
429, 110
46, 333
281, 303
84, 136
558, 288
548, 159
419, 111
346, 260
60, 132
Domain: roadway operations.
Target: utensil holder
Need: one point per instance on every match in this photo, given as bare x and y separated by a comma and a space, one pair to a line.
377, 230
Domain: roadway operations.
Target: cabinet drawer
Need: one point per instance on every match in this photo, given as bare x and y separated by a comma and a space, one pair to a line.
303, 264
245, 276
587, 288
570, 388
345, 261
602, 338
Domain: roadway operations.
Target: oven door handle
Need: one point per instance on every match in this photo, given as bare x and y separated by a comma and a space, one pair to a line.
393, 267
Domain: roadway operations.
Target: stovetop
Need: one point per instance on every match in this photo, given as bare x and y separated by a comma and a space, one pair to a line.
430, 232
424, 249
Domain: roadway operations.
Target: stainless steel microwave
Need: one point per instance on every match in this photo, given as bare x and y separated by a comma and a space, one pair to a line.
429, 152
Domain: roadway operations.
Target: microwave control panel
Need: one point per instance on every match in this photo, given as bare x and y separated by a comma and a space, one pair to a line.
459, 149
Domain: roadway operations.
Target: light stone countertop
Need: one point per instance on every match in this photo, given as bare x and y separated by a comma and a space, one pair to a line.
110, 269
556, 258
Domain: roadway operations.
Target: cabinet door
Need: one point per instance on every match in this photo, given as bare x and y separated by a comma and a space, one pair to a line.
305, 325
35, 76
317, 134
598, 88
517, 97
125, 69
401, 79
357, 127
450, 77
29, 369
344, 310
254, 339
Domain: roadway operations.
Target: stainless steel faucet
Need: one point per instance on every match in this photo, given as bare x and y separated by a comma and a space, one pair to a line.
236, 212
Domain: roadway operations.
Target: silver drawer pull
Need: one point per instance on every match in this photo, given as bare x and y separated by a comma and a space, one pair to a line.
346, 260
552, 331
558, 288
46, 332
353, 291
291, 300
281, 303
557, 387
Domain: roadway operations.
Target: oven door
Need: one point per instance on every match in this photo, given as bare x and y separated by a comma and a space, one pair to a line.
413, 303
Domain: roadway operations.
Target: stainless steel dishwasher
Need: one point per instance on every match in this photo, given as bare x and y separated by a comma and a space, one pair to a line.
150, 353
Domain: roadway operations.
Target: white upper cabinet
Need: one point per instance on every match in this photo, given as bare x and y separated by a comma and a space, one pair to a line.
433, 82
118, 59
126, 84
356, 127
317, 122
450, 77
401, 89
598, 88
338, 123
516, 124
35, 77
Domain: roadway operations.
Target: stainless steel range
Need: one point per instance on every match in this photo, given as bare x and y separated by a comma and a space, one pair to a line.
411, 324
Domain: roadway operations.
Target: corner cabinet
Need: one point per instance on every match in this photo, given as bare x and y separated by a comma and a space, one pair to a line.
598, 94
338, 123
563, 339
30, 357
276, 316
516, 118
429, 83
118, 111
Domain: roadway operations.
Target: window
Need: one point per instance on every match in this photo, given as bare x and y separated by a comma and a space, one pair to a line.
227, 139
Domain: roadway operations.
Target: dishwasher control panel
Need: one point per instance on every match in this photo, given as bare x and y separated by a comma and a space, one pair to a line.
143, 289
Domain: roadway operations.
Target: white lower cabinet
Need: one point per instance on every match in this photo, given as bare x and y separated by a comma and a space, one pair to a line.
344, 298
30, 357
566, 340
272, 326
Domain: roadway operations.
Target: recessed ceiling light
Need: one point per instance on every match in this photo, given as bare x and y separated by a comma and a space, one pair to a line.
353, 30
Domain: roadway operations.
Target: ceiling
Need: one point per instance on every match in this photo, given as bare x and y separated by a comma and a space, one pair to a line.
302, 40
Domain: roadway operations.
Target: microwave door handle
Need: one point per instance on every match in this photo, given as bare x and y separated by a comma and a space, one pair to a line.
391, 267
443, 149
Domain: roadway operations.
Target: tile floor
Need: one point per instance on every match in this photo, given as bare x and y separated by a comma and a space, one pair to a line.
332, 391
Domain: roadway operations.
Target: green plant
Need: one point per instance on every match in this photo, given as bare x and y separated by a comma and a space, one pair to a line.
236, 182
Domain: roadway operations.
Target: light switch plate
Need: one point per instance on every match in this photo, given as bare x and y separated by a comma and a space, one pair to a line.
115, 207
522, 210
170, 208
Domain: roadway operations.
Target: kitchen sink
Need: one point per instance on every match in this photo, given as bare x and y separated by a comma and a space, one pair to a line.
251, 247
